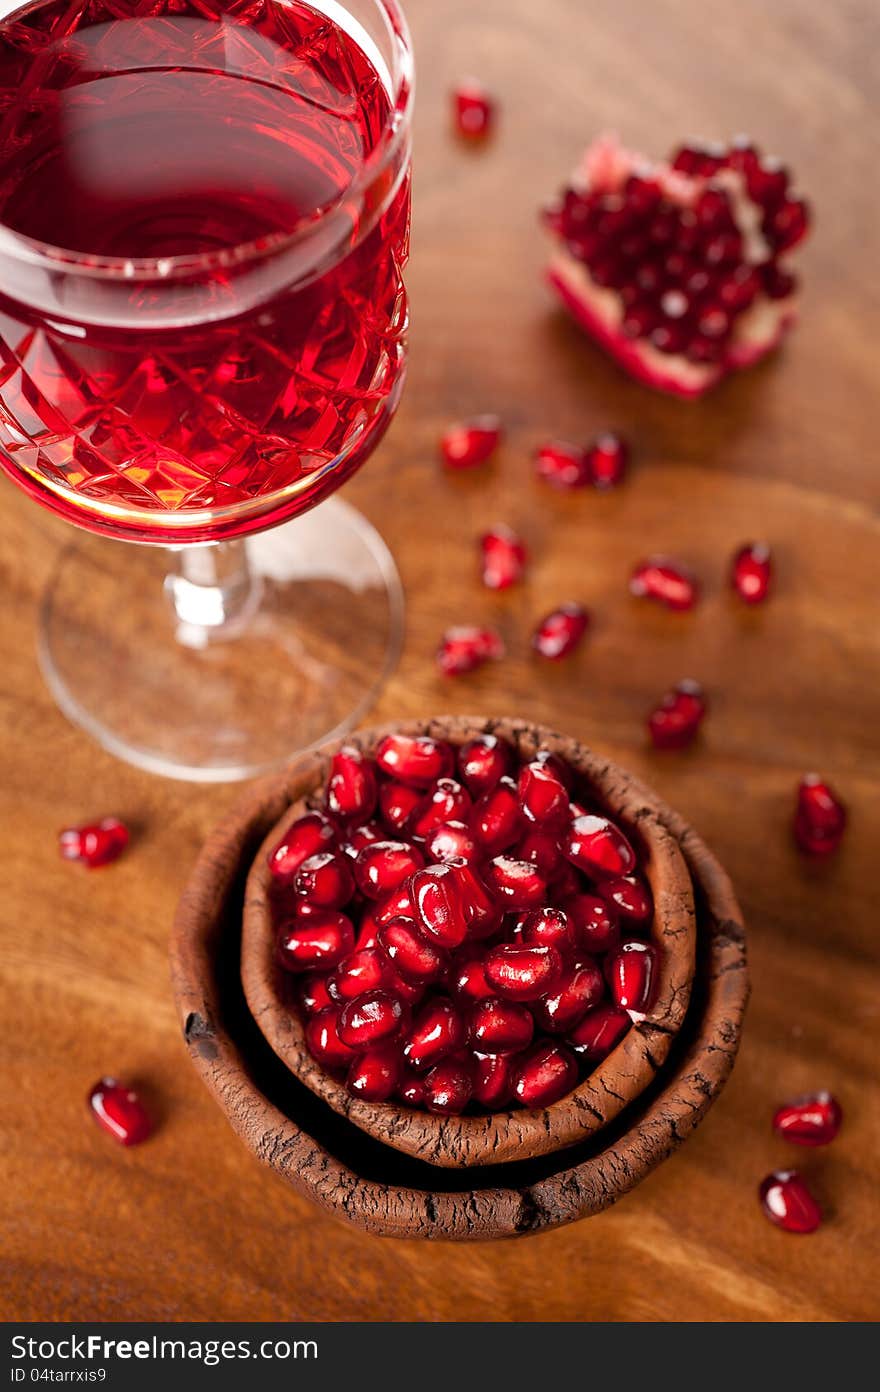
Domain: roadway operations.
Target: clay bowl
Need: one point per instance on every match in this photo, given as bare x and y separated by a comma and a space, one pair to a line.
320, 1155
516, 1134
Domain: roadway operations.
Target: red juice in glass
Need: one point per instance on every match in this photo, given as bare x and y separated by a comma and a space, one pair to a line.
202, 317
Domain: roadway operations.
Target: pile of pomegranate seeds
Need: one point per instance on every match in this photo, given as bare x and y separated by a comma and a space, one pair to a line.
469, 929
675, 722
471, 443
677, 268
474, 110
120, 1112
820, 817
94, 845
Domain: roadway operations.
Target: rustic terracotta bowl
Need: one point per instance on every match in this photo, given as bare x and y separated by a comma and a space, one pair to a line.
323, 1157
516, 1134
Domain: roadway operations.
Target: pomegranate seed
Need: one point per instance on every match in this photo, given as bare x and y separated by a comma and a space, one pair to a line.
674, 724
469, 980
633, 977
472, 443
439, 898
501, 1027
484, 914
547, 926
503, 558
787, 1202
397, 803
361, 836
451, 841
381, 868
410, 952
411, 1088
563, 465
351, 788
94, 845
375, 1075
466, 647
809, 1121
630, 897
789, 224
493, 1081
447, 801
778, 284
599, 1032
581, 988
543, 798
540, 848
321, 940
370, 1018
565, 884
595, 921
560, 631
474, 110
752, 572
314, 995
120, 1112
306, 837
766, 183
436, 1032
325, 881
607, 461
697, 160
820, 819
497, 821
397, 905
409, 991
523, 973
545, 1075
739, 289
416, 760
517, 883
323, 1041
599, 847
483, 761
558, 767
448, 1087
365, 969
664, 581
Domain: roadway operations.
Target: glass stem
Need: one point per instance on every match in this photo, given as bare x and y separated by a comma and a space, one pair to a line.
212, 590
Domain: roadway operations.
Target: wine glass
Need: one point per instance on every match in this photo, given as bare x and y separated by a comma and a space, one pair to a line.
204, 223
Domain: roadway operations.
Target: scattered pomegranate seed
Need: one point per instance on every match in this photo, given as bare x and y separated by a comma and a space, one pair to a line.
563, 466
471, 443
482, 762
370, 1018
820, 819
474, 110
416, 760
501, 1027
375, 1075
306, 837
94, 845
325, 881
410, 951
120, 1112
633, 978
516, 883
752, 572
631, 898
666, 582
449, 1087
787, 1202
497, 820
451, 841
365, 969
523, 973
560, 632
809, 1121
466, 647
599, 847
351, 789
381, 868
493, 1081
595, 921
322, 1039
674, 724
397, 803
435, 1033
607, 461
580, 988
503, 558
599, 1032
319, 941
546, 1074
543, 797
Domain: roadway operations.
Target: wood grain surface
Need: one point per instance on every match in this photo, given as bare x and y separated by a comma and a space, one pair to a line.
189, 1226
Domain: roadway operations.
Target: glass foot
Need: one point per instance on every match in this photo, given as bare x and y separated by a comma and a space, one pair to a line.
245, 657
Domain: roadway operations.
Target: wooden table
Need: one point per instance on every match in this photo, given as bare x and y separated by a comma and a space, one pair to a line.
189, 1226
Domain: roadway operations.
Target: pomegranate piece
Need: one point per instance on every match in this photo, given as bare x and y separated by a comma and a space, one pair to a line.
325, 881
787, 1202
471, 443
474, 110
397, 803
497, 820
541, 849
410, 952
365, 969
547, 926
600, 1031
633, 976
675, 268
675, 722
351, 788
560, 631
382, 867
631, 899
483, 762
665, 582
563, 466
447, 801
438, 894
370, 1018
375, 1075
493, 1081
542, 796
449, 1087
120, 1112
468, 980
466, 647
596, 921
308, 836
503, 558
599, 847
809, 1121
314, 994
319, 941
94, 845
451, 841
323, 1041
416, 760
751, 573
546, 1074
522, 973
516, 883
820, 818
607, 461
437, 1031
580, 989
500, 1027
